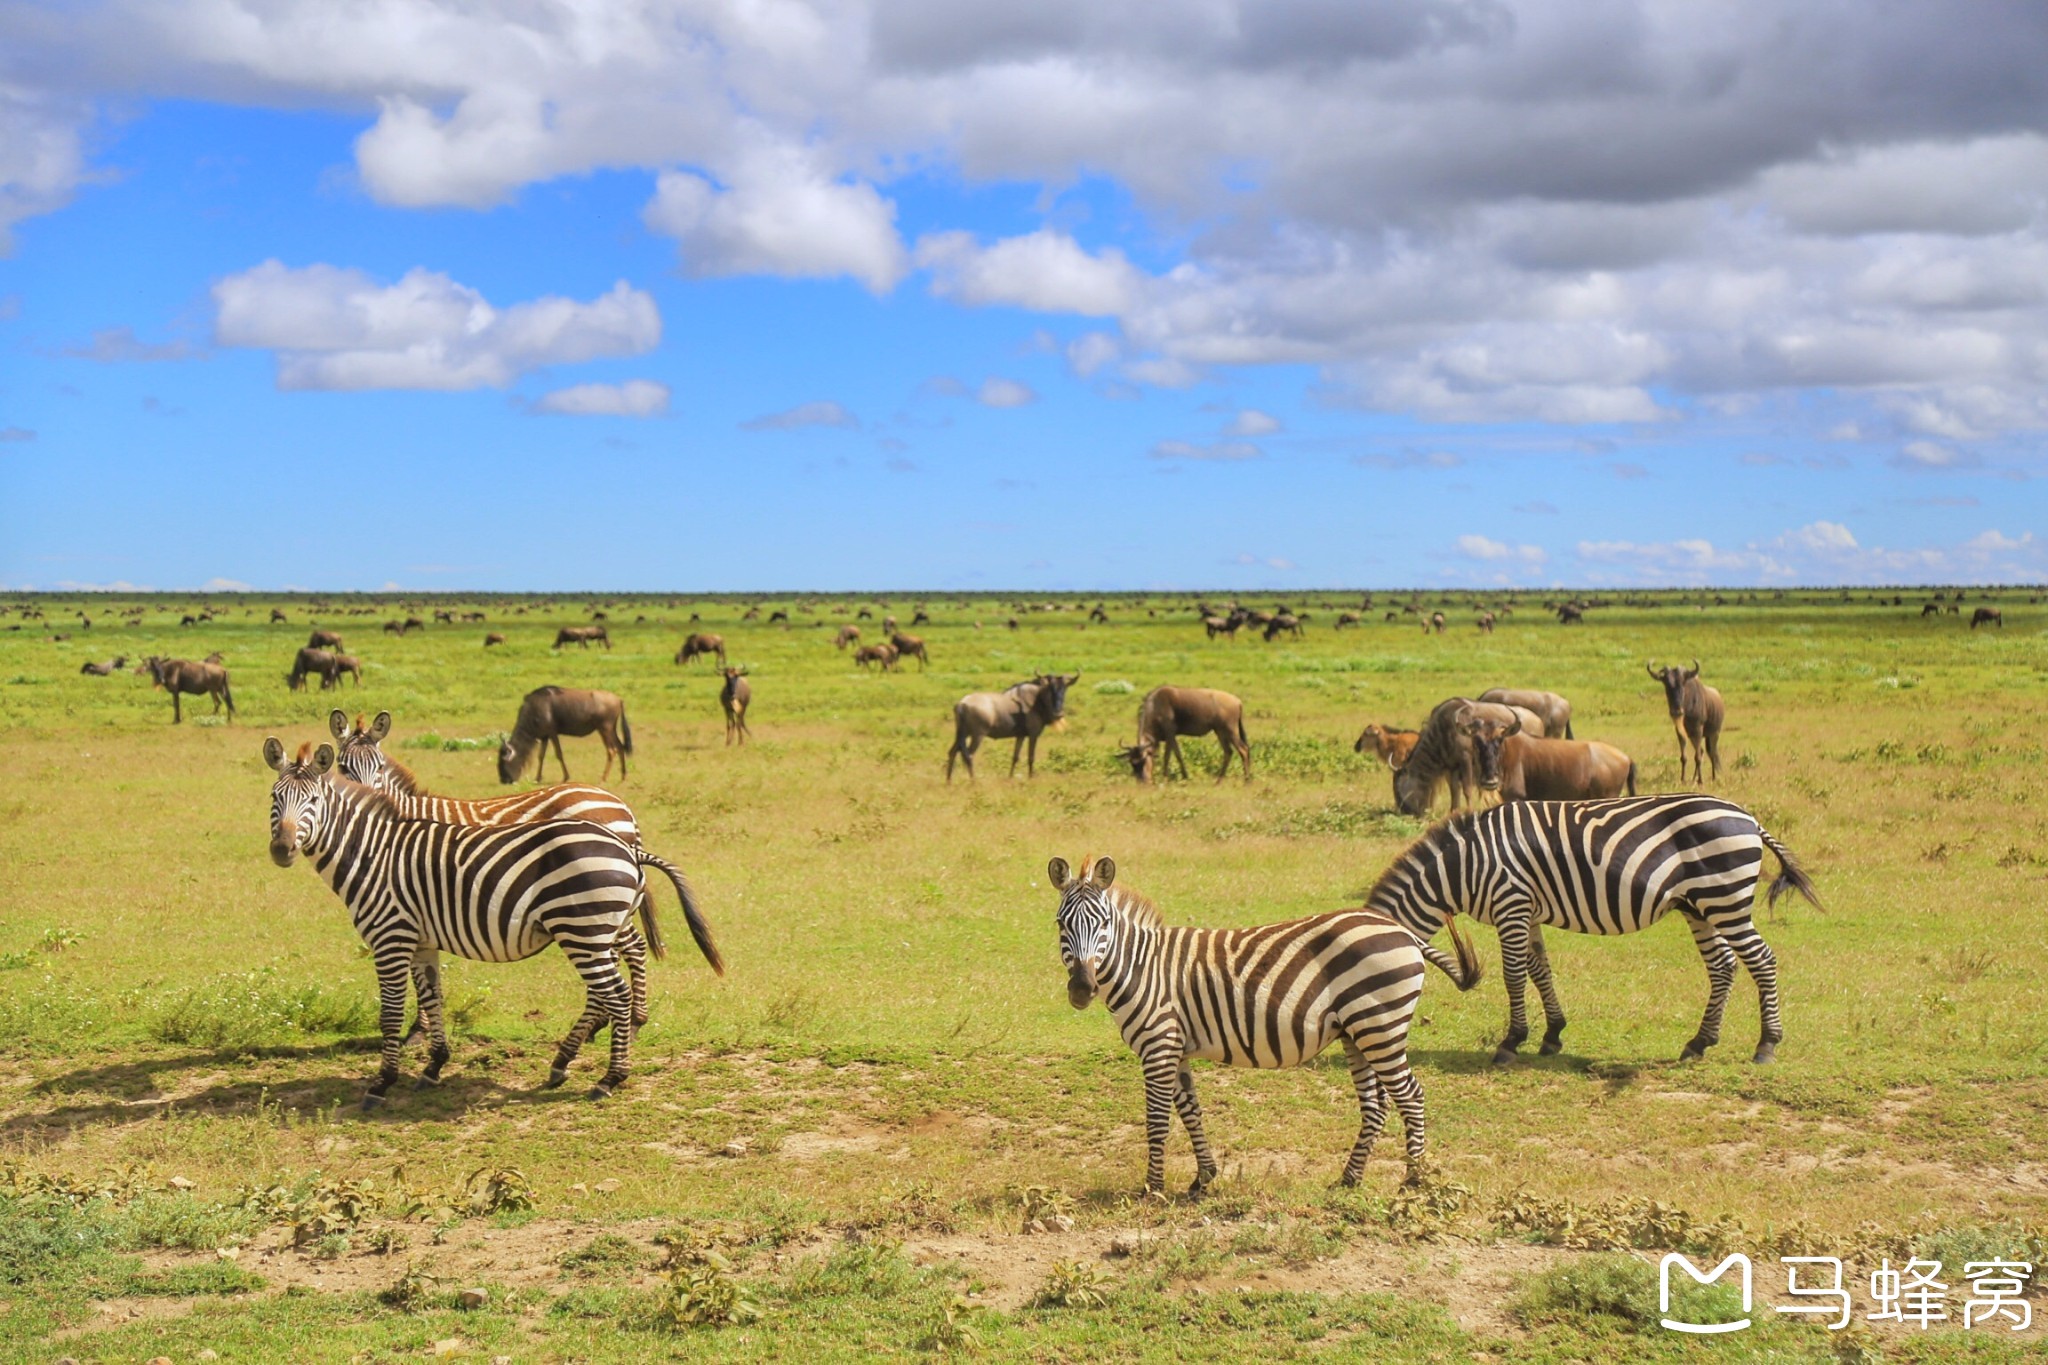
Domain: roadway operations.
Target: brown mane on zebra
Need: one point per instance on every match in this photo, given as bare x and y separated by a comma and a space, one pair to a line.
1132, 902
401, 776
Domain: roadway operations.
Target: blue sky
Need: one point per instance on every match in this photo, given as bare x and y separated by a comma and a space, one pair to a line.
669, 297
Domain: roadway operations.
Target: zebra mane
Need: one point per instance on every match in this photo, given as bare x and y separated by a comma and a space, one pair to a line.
363, 795
1397, 869
1135, 906
401, 776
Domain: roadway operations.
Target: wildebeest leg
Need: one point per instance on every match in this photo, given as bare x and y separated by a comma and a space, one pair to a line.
1191, 1119
1553, 1008
1017, 750
1741, 935
1514, 969
177, 710
600, 972
958, 751
1714, 750
1678, 728
1720, 962
1174, 754
1372, 1111
1223, 738
562, 762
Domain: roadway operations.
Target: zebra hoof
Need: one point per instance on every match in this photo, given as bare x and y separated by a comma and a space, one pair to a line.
556, 1077
1551, 1047
1765, 1052
598, 1092
426, 1082
370, 1102
1503, 1055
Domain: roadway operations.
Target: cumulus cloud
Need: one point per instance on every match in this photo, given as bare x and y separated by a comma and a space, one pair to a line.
1004, 393
780, 217
334, 328
1091, 351
1252, 422
823, 413
634, 398
1215, 450
1821, 551
1486, 550
1045, 271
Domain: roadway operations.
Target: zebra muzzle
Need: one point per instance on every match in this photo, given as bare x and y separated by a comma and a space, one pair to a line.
1081, 986
284, 845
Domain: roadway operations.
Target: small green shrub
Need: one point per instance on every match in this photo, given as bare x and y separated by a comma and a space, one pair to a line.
249, 1009
1620, 1290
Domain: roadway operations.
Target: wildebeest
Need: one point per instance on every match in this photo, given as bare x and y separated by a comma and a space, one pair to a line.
1696, 715
1169, 713
1221, 625
1391, 744
177, 676
848, 635
1436, 622
1346, 618
277, 617
1930, 609
323, 639
1485, 623
548, 713
1987, 616
493, 638
1555, 710
1021, 711
732, 699
216, 658
883, 654
394, 628
1443, 753
910, 647
316, 661
349, 664
920, 617
583, 636
112, 666
701, 644
1522, 768
1571, 613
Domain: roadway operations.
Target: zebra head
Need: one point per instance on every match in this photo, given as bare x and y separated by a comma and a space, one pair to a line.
298, 798
358, 755
1088, 923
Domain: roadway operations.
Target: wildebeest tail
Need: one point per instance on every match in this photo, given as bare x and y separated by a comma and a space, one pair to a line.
1568, 735
1791, 876
625, 730
1631, 770
699, 928
228, 695
1464, 970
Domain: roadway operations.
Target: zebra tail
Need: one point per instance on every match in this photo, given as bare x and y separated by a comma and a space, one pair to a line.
700, 929
1465, 969
1791, 876
1631, 771
625, 732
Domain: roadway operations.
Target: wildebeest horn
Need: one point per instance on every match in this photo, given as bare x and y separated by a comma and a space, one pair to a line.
1651, 669
1695, 669
1514, 729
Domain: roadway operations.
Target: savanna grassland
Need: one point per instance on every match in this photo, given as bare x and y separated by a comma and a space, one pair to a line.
885, 1131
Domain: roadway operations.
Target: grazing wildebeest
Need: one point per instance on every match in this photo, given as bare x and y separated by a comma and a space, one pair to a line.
1021, 712
413, 623
548, 713
323, 639
1524, 769
112, 666
1221, 625
1555, 710
1391, 744
1286, 623
1696, 715
848, 635
493, 638
1011, 623
1346, 618
394, 628
1434, 623
920, 617
1169, 713
1930, 609
1987, 616
883, 654
277, 617
1485, 623
910, 647
732, 699
583, 636
1571, 613
697, 644
318, 661
777, 615
351, 665
1444, 754
177, 676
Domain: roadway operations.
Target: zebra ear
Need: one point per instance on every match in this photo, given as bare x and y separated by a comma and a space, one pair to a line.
273, 753
380, 727
1105, 871
1058, 871
323, 759
337, 723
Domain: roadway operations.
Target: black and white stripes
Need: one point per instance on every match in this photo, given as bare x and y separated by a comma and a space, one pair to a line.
1272, 996
1600, 867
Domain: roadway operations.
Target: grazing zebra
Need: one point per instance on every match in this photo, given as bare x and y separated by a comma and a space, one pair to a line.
1272, 996
361, 758
1600, 867
419, 888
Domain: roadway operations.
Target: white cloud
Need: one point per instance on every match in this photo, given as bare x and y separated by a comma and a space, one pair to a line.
225, 585
780, 217
1004, 393
634, 398
1486, 549
1045, 271
334, 328
1252, 422
1089, 352
1215, 450
114, 345
1997, 542
823, 413
1163, 372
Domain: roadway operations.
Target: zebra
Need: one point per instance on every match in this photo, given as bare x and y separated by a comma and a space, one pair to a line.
418, 888
361, 758
1271, 996
1600, 867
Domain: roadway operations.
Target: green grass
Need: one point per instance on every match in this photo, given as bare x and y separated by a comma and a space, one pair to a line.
891, 1056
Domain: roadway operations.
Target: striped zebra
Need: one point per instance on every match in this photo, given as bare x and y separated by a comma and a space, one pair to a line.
1600, 867
361, 758
1271, 996
419, 888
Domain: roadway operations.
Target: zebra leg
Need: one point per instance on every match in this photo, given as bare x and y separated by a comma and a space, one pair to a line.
1553, 1008
1514, 970
1720, 960
426, 975
608, 994
393, 976
632, 951
1762, 966
1191, 1119
1406, 1092
1162, 1090
1372, 1112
